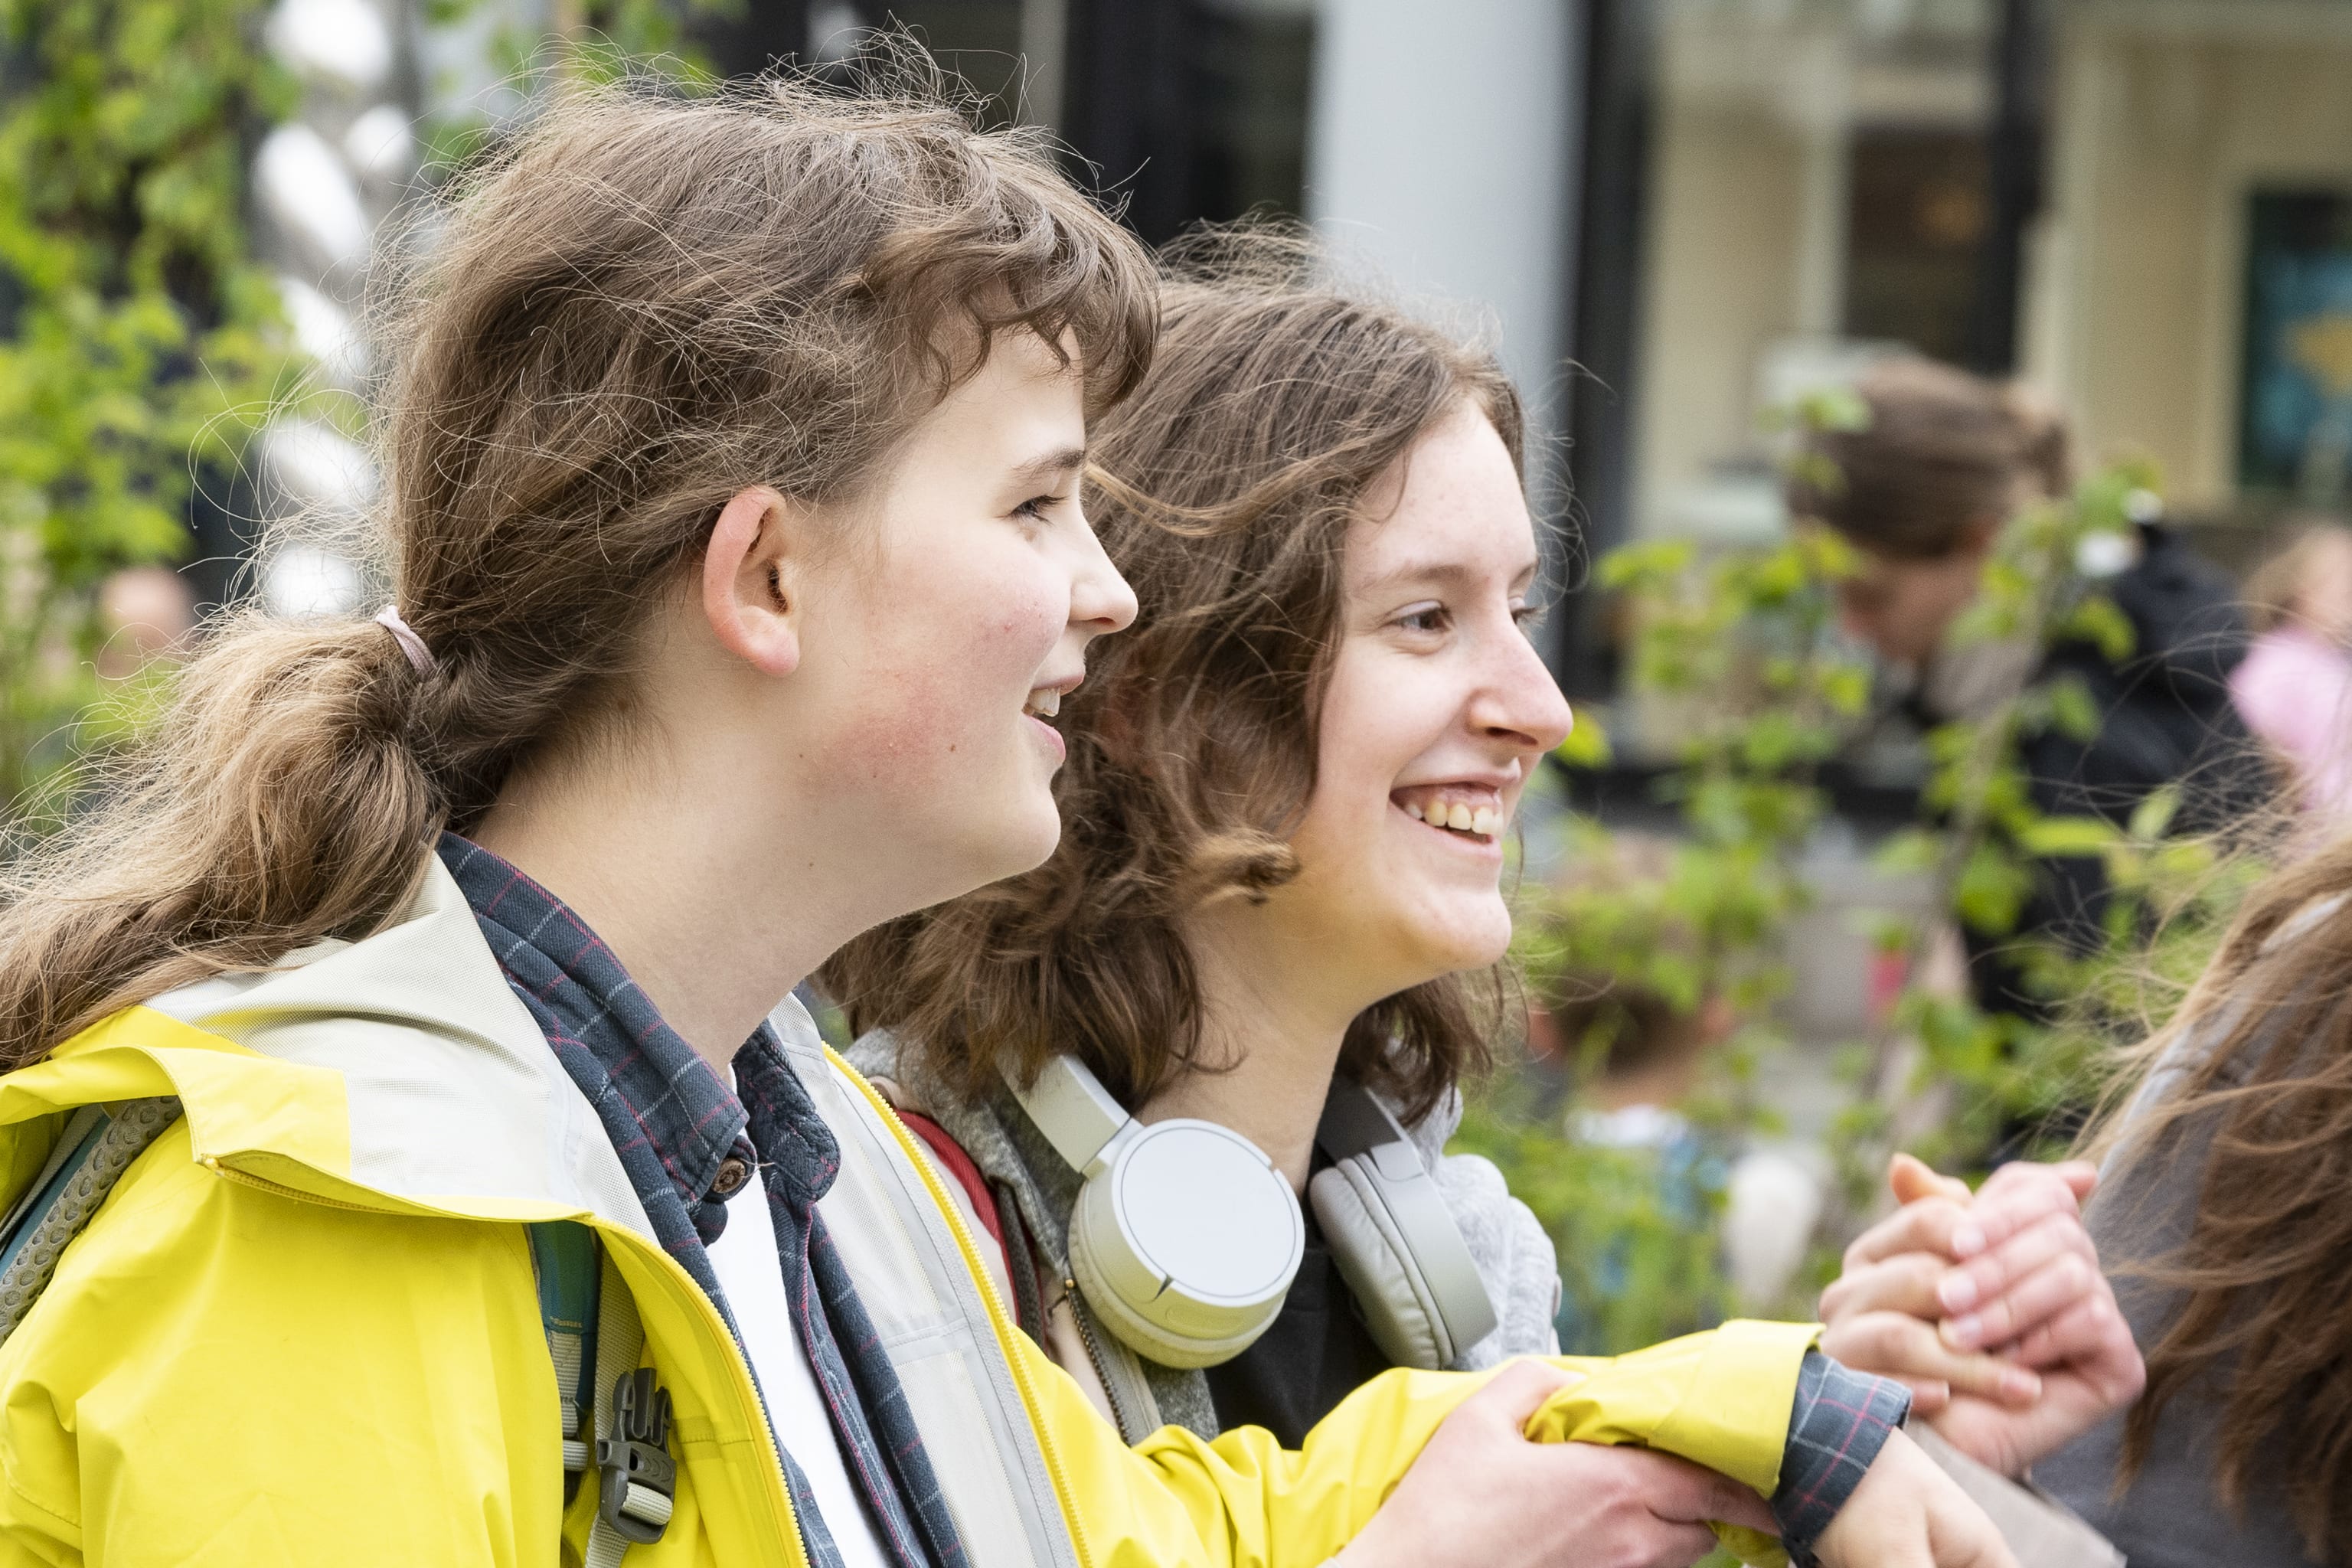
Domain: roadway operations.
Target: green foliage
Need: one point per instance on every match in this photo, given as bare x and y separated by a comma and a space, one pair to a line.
1635, 1228
134, 330
1734, 647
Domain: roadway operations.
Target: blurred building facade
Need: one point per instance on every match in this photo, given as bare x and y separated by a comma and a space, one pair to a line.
1700, 205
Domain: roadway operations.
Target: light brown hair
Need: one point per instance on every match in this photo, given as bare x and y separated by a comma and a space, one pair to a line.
2262, 1112
642, 307
1943, 452
1224, 492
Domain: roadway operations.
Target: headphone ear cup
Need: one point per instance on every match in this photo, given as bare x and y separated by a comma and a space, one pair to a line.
1132, 1329
1186, 1242
1397, 1303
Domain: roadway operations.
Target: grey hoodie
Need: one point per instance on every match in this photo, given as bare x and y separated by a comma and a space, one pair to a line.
1513, 1254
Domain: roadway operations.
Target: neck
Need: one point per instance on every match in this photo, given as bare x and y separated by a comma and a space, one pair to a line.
1271, 1039
716, 927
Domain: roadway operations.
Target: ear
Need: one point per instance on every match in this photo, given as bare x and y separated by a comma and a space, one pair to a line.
752, 572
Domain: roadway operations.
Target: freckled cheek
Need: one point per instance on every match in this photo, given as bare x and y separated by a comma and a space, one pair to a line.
963, 666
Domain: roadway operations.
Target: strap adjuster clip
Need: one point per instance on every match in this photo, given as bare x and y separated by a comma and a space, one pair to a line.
638, 1477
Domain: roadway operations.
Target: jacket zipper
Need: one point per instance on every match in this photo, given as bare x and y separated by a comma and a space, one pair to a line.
758, 1422
1054, 1469
1094, 1353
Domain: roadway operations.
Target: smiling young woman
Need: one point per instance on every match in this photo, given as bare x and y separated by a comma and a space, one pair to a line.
1276, 912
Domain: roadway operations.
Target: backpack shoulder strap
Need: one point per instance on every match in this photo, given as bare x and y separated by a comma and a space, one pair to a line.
563, 1257
97, 1144
615, 1417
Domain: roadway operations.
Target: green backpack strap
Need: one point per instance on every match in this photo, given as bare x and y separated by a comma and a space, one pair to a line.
564, 1255
615, 1416
93, 1149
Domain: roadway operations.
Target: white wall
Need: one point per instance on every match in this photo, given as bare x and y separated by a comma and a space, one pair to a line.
1437, 151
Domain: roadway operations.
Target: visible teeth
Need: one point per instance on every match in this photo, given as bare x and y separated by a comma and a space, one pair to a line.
1485, 820
1414, 812
1044, 703
1458, 817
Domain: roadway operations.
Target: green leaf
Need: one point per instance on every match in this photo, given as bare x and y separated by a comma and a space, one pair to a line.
2152, 817
2097, 621
1990, 891
2069, 835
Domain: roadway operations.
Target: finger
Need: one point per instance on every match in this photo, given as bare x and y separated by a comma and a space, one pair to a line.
1904, 1283
2091, 1342
1929, 1396
1676, 1491
1911, 1179
1924, 1225
1515, 1394
1894, 1345
2050, 1290
2076, 1178
1982, 1279
2007, 1211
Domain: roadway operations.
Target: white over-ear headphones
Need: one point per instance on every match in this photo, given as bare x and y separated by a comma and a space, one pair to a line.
1185, 1238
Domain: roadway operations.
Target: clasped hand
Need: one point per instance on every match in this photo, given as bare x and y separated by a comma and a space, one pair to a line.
1991, 1307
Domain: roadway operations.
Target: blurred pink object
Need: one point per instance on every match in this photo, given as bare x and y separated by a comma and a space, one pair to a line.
2294, 688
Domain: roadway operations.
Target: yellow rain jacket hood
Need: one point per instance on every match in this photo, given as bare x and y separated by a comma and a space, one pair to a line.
304, 1327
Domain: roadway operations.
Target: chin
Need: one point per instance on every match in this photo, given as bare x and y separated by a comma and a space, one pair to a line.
1027, 841
1472, 939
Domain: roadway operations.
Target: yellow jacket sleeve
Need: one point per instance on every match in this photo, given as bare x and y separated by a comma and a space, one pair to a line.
1720, 1399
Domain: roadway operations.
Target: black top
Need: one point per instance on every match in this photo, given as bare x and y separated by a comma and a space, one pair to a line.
2165, 717
1316, 1353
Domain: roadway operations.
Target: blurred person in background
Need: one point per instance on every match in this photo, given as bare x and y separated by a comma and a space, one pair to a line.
2294, 688
145, 613
1923, 491
1286, 794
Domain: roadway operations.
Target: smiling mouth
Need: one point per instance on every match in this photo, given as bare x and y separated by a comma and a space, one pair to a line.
1476, 814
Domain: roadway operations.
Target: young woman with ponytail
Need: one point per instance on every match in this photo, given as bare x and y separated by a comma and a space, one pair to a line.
429, 1163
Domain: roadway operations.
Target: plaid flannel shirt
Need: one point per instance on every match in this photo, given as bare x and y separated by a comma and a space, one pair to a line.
674, 1123
1841, 1419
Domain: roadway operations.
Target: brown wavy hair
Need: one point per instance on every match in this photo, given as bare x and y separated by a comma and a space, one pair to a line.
1223, 490
2262, 1328
641, 306
1942, 451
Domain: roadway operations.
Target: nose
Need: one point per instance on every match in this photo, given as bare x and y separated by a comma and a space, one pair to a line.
1519, 703
1100, 599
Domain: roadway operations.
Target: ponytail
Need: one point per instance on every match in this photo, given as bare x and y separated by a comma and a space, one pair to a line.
645, 307
282, 799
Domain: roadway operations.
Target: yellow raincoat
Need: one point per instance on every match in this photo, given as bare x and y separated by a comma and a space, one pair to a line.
304, 1327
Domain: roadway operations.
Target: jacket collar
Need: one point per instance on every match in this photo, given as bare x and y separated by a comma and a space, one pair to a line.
400, 1065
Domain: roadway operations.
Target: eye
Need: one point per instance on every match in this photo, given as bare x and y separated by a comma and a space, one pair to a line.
1424, 619
1525, 616
1034, 509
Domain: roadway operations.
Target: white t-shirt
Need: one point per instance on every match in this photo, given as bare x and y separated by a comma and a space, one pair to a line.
747, 1258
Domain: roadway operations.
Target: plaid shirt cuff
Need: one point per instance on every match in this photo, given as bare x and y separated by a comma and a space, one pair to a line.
1841, 1419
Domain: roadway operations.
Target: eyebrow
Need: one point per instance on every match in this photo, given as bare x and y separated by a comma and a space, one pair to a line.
1052, 466
1451, 573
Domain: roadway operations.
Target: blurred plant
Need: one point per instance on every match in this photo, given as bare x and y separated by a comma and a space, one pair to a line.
133, 326
1739, 647
1943, 1076
1735, 648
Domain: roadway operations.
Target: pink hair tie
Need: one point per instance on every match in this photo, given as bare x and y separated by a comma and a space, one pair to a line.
410, 643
